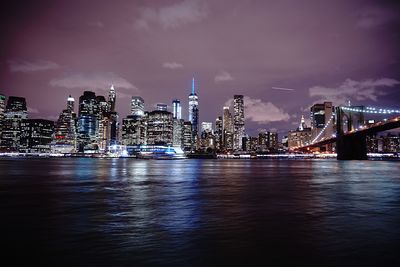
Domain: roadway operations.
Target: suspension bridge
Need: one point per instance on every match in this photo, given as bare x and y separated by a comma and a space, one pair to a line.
352, 129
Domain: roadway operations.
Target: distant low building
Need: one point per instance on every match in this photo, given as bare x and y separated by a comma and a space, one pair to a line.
300, 137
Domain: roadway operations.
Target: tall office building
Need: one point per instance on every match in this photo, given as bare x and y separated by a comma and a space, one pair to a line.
187, 137
159, 128
134, 130
227, 129
113, 133
218, 133
178, 133
300, 137
64, 131
88, 121
238, 121
2, 110
321, 114
194, 112
64, 137
36, 136
137, 106
103, 105
16, 111
162, 107
207, 139
112, 98
88, 104
177, 109
71, 103
206, 127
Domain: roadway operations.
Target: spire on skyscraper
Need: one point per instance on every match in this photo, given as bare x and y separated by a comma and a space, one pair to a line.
193, 88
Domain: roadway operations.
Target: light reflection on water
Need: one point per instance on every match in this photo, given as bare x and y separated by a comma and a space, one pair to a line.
202, 212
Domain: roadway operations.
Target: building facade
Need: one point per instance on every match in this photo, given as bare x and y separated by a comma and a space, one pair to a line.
16, 112
238, 122
159, 128
36, 136
194, 113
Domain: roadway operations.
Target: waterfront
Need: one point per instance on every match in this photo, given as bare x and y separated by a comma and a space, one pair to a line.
69, 211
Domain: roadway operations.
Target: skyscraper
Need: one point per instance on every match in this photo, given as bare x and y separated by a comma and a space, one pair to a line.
159, 128
111, 98
238, 121
88, 121
113, 132
177, 109
2, 110
137, 106
194, 112
71, 103
227, 128
134, 130
218, 133
187, 136
16, 112
36, 136
162, 107
178, 132
206, 126
88, 104
321, 114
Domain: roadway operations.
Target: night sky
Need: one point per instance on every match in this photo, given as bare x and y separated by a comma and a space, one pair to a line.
282, 55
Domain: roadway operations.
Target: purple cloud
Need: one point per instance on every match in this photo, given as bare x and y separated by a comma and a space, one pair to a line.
31, 66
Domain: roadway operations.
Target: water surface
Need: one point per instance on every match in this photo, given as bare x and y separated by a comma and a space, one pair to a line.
81, 211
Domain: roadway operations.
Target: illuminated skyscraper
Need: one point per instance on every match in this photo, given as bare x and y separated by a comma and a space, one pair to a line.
178, 133
177, 109
321, 114
162, 107
2, 110
137, 106
206, 126
238, 121
36, 136
88, 121
71, 103
16, 112
207, 139
194, 112
187, 136
159, 128
111, 98
134, 130
218, 133
227, 128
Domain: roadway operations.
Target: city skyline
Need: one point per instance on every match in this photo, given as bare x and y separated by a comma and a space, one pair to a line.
282, 66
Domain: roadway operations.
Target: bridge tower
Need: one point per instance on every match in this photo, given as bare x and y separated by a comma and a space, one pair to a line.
349, 147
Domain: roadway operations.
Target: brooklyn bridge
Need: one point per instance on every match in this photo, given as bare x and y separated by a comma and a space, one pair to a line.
352, 126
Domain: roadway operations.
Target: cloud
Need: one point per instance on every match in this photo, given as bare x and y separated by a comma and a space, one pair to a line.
353, 90
27, 66
93, 81
373, 17
172, 65
223, 76
173, 16
261, 112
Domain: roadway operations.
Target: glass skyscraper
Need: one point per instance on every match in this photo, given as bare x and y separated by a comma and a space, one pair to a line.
194, 112
137, 106
238, 121
177, 109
